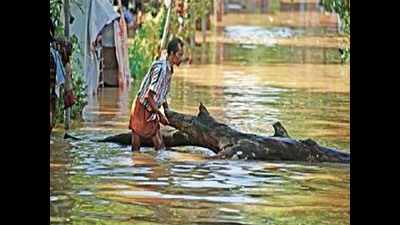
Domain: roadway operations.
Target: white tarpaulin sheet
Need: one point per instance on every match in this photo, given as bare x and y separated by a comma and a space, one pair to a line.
90, 17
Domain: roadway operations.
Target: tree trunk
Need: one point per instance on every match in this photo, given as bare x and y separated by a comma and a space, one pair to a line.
171, 137
204, 131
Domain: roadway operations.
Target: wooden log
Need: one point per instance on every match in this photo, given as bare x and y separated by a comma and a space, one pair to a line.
204, 131
171, 137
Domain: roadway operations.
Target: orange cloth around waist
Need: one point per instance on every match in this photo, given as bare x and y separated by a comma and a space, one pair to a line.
140, 121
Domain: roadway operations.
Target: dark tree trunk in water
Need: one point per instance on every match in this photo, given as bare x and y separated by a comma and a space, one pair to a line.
204, 131
171, 137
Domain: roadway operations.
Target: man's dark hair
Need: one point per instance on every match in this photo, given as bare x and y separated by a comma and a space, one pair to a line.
173, 45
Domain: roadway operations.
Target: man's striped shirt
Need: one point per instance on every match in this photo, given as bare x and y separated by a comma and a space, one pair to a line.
158, 80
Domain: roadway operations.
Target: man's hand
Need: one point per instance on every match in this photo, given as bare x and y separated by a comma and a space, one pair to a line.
152, 103
163, 119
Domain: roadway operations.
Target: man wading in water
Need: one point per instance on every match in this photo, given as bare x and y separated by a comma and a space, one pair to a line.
145, 114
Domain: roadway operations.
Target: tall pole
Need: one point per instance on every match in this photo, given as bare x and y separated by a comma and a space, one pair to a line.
66, 16
68, 81
168, 4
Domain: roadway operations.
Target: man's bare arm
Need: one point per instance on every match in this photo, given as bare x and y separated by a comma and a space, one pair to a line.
152, 103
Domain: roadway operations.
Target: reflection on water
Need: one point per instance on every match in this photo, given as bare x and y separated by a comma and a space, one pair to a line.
105, 183
307, 18
108, 183
247, 86
251, 54
259, 35
312, 101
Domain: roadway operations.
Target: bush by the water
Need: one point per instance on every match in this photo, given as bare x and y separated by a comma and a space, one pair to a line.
146, 44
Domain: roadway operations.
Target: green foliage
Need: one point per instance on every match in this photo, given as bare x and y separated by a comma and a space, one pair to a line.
199, 8
60, 108
146, 44
55, 12
196, 10
345, 55
275, 6
342, 8
147, 41
78, 84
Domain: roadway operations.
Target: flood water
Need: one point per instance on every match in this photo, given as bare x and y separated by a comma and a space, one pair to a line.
247, 83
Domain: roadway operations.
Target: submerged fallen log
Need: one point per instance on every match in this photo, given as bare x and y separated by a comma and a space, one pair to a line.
171, 137
204, 131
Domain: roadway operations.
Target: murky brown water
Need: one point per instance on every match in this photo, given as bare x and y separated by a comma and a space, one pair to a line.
247, 86
106, 184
